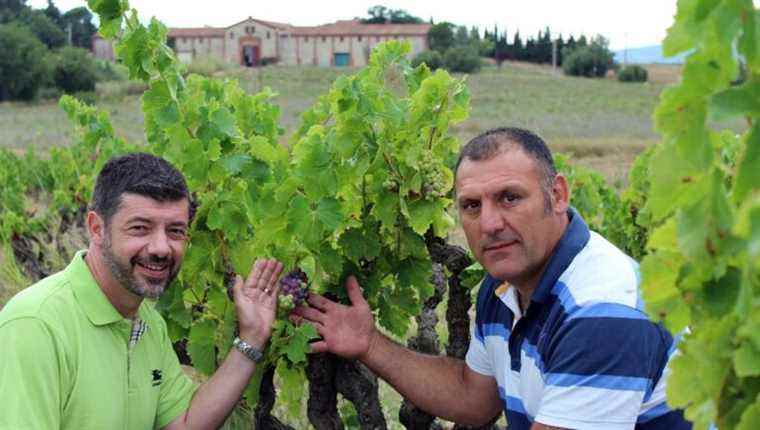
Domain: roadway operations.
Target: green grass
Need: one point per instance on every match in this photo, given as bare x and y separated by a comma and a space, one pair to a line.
593, 119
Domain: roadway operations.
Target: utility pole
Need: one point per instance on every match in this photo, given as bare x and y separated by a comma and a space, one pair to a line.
554, 55
68, 31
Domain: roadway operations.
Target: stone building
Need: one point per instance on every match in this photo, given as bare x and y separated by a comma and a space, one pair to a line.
253, 42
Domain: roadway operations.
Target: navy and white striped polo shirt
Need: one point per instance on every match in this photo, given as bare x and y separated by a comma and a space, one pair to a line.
584, 355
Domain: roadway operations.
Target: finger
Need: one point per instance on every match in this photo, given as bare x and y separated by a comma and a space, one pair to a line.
318, 347
237, 288
253, 277
266, 274
310, 314
320, 302
354, 291
274, 282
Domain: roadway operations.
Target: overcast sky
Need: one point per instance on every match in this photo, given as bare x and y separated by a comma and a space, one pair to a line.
631, 23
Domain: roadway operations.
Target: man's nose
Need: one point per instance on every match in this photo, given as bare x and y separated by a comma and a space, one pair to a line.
491, 219
159, 244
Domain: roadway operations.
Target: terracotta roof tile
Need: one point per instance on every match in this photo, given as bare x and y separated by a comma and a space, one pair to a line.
339, 28
356, 28
196, 32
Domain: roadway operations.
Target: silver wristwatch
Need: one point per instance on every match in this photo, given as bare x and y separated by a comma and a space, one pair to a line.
247, 349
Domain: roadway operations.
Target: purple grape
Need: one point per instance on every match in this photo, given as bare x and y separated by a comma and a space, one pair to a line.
295, 285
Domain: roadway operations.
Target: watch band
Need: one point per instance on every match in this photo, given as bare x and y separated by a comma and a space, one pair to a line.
248, 350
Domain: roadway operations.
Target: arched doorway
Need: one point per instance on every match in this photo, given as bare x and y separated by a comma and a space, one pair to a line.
249, 51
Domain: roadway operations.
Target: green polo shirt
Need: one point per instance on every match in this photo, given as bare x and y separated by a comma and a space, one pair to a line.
66, 360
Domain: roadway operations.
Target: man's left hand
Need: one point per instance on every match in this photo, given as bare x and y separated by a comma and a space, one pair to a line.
256, 301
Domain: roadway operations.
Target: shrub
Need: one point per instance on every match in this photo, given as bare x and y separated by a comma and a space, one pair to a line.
462, 59
433, 59
109, 71
23, 65
632, 74
75, 70
584, 61
591, 60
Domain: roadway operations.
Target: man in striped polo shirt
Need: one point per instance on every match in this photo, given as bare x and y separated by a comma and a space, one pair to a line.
561, 340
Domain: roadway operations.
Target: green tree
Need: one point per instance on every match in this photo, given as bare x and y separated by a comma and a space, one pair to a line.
377, 15
43, 27
441, 36
53, 13
75, 70
590, 61
23, 65
462, 37
10, 9
517, 50
79, 22
461, 59
400, 16
383, 15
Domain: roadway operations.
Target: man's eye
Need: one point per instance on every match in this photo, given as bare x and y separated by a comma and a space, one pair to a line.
179, 233
510, 197
138, 228
468, 206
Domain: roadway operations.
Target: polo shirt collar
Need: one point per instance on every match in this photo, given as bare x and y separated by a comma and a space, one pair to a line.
576, 237
88, 294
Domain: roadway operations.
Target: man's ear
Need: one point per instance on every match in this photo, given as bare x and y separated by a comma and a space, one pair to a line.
560, 194
96, 227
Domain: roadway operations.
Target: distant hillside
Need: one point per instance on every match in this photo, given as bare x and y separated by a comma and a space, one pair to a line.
648, 55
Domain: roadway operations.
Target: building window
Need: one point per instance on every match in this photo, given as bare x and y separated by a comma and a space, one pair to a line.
283, 36
359, 38
232, 35
324, 39
268, 35
341, 38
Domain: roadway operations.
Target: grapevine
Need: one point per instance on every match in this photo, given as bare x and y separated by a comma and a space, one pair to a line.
702, 270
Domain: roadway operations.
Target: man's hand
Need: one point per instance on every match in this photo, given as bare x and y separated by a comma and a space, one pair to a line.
347, 331
256, 301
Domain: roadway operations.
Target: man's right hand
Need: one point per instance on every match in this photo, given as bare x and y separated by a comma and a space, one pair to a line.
347, 331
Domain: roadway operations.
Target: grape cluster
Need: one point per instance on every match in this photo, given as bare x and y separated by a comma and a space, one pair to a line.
294, 289
391, 184
433, 182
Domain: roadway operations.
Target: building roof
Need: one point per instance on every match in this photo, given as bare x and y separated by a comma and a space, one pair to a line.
272, 24
197, 32
352, 27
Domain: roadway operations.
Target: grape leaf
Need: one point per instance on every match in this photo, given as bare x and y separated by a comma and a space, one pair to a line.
200, 346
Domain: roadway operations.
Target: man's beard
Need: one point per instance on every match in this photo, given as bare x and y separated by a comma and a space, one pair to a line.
123, 272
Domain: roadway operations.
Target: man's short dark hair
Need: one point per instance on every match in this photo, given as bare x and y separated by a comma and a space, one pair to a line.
138, 173
494, 142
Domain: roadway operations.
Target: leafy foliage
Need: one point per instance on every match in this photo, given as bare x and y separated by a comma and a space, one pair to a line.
75, 70
363, 181
632, 73
433, 59
462, 59
702, 270
591, 60
23, 69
